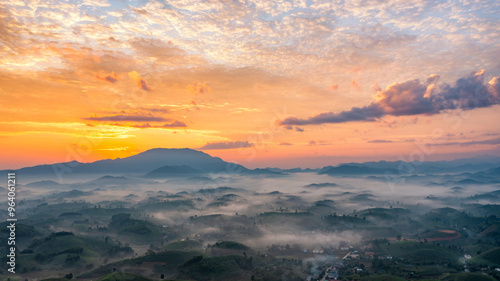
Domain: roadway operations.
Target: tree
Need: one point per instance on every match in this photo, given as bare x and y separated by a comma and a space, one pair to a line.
162, 276
69, 276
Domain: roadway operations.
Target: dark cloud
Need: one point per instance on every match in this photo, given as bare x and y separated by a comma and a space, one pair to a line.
367, 113
487, 142
298, 129
130, 118
285, 143
414, 98
226, 145
313, 143
112, 77
139, 81
379, 141
143, 85
173, 124
155, 109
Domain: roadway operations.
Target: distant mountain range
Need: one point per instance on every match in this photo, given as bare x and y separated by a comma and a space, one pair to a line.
464, 165
349, 170
188, 163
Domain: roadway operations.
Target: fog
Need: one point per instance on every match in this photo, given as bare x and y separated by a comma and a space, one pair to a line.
266, 204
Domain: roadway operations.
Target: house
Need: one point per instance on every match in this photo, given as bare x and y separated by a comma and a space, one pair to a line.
370, 254
318, 250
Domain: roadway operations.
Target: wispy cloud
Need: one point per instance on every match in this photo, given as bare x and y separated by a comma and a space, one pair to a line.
199, 88
226, 145
379, 141
173, 124
124, 118
494, 141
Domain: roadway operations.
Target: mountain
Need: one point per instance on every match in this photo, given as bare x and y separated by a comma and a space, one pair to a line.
294, 170
353, 170
44, 184
321, 185
172, 171
475, 164
266, 171
111, 180
139, 164
202, 163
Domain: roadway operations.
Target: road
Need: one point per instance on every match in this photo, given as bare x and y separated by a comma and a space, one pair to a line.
326, 273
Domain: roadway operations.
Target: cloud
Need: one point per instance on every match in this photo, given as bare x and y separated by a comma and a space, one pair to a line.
130, 118
354, 84
8, 31
112, 77
285, 143
226, 145
298, 129
379, 141
314, 143
173, 124
157, 109
157, 48
333, 87
139, 81
415, 98
486, 142
199, 88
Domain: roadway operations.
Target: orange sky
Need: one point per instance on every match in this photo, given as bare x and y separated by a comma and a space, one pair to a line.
301, 83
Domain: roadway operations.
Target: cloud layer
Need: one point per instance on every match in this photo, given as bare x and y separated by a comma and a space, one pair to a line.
413, 98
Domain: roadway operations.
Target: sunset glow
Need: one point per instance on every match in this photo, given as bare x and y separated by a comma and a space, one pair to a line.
261, 83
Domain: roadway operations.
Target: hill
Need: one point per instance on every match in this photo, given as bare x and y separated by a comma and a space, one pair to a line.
354, 170
119, 276
172, 171
137, 164
491, 257
215, 268
467, 276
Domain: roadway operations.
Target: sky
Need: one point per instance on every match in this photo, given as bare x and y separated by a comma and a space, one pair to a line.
261, 83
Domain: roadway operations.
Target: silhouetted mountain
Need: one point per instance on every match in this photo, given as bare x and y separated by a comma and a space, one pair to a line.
44, 184
266, 171
353, 170
475, 164
139, 164
152, 159
493, 172
172, 171
320, 185
294, 170
112, 180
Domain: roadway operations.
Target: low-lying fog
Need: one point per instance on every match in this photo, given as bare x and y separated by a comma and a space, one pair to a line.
302, 208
